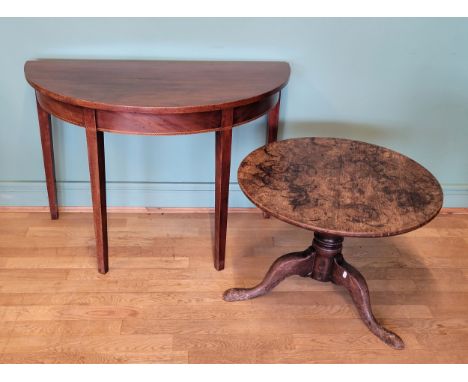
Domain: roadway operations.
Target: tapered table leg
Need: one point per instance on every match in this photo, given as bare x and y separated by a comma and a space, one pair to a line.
223, 169
273, 122
97, 171
272, 131
45, 127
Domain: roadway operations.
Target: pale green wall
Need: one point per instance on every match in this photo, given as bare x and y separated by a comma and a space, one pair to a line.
400, 83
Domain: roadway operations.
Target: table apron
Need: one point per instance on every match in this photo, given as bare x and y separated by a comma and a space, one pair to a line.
157, 124
65, 111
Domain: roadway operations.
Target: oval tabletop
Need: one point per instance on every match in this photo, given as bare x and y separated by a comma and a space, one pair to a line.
340, 187
157, 86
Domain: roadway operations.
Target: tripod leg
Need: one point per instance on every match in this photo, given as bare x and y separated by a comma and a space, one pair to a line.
296, 263
346, 275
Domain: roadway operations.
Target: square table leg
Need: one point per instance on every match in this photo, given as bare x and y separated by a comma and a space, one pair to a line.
45, 128
97, 171
273, 122
272, 130
223, 169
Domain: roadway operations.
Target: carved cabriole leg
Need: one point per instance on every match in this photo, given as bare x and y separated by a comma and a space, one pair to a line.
346, 275
97, 172
297, 263
272, 130
45, 127
223, 169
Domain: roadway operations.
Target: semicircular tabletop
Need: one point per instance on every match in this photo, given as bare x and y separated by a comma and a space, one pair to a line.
340, 187
157, 86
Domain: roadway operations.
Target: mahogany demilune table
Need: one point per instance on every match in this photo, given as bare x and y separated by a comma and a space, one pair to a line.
153, 98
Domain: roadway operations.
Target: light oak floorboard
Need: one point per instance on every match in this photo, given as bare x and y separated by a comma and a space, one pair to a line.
161, 300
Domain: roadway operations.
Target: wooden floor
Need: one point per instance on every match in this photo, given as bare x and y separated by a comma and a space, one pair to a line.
161, 300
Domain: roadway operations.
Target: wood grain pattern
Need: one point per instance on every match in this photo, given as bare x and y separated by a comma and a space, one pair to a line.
157, 86
223, 171
164, 124
273, 122
152, 98
340, 187
64, 111
148, 311
97, 172
322, 261
45, 129
272, 131
364, 191
159, 124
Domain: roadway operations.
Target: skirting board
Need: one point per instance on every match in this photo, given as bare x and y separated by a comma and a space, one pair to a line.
170, 210
130, 210
154, 195
120, 194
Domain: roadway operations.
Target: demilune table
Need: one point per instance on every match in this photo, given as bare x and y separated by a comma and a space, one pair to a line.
153, 98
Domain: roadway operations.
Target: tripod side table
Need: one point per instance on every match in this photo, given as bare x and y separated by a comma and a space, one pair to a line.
153, 98
337, 188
